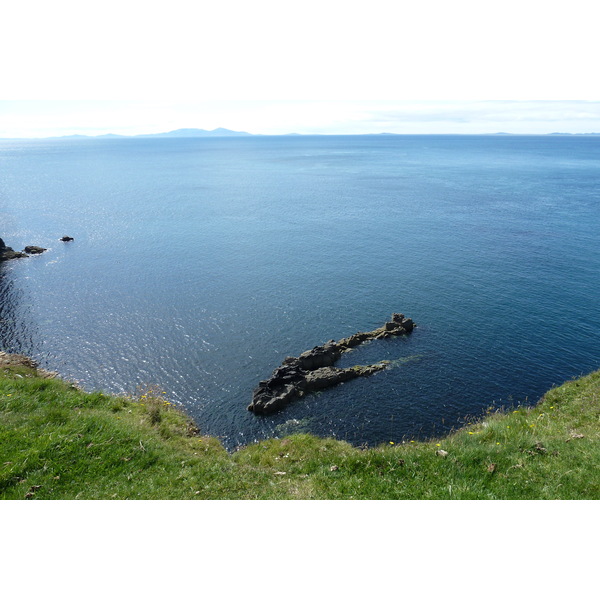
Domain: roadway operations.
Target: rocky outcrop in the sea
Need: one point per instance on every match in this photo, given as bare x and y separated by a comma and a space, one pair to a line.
313, 370
34, 249
66, 238
7, 253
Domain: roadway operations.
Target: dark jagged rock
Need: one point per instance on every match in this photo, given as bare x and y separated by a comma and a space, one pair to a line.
34, 249
66, 238
7, 253
330, 376
313, 370
320, 356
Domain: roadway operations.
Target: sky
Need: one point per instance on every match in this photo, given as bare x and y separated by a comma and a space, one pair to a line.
274, 67
50, 118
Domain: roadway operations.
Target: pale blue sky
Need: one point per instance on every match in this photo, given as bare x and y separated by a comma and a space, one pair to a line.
42, 118
316, 66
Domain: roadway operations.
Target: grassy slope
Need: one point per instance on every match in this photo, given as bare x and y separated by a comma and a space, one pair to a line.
57, 442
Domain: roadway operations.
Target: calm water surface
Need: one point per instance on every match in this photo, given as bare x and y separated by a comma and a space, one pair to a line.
199, 264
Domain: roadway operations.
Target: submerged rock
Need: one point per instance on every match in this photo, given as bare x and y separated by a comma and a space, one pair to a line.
313, 370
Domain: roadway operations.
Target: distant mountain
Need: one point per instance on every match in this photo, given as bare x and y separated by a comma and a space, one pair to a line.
222, 132
177, 133
187, 133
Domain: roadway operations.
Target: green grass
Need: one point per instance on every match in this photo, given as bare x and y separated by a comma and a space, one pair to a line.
57, 442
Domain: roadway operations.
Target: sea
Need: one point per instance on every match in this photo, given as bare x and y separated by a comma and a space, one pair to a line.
199, 264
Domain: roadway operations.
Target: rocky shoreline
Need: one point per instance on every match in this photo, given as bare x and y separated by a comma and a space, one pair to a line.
313, 370
7, 253
19, 360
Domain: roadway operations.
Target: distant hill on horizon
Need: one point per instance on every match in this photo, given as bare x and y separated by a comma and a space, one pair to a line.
190, 132
176, 133
222, 132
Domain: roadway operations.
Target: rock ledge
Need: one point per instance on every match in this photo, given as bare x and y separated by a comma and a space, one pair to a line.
7, 253
313, 370
19, 360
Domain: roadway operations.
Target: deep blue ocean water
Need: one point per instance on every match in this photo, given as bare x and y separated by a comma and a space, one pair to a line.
199, 264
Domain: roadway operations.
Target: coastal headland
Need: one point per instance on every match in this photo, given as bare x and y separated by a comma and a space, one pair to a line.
60, 442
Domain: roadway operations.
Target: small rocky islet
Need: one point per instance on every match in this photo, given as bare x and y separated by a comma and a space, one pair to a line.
314, 369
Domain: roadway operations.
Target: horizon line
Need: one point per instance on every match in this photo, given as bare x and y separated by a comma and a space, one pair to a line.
225, 133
